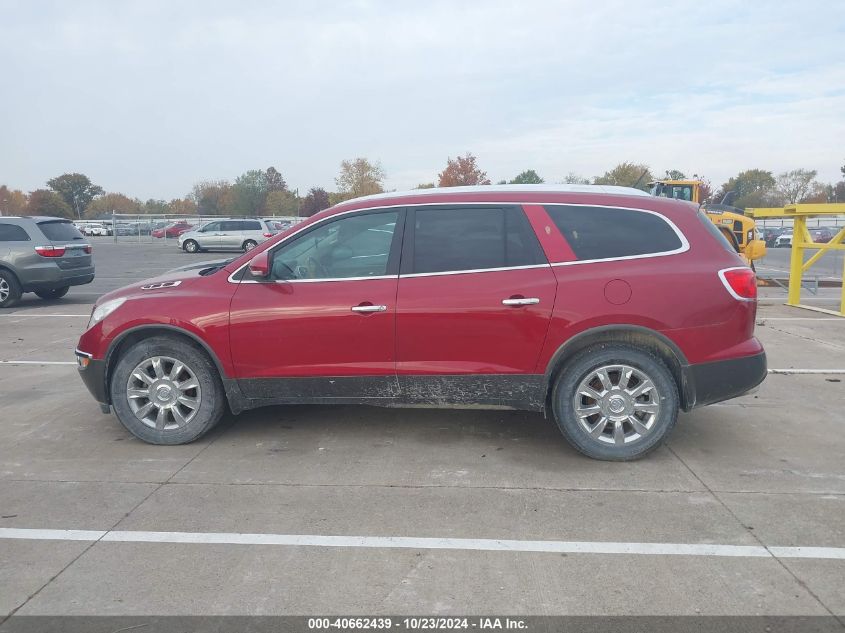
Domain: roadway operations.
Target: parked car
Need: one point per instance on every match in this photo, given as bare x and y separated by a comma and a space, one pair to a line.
42, 255
97, 229
228, 234
174, 229
605, 308
784, 240
771, 234
822, 235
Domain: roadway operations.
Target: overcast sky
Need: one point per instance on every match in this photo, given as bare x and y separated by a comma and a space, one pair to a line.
149, 97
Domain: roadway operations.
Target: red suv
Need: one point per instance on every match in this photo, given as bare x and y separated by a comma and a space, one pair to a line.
603, 307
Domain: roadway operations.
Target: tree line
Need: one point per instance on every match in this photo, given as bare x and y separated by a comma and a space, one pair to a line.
264, 192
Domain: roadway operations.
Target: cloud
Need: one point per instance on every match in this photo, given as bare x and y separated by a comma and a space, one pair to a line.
149, 97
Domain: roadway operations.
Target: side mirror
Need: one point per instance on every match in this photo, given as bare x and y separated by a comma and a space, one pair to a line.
259, 266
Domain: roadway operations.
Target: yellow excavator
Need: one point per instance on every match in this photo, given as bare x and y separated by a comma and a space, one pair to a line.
737, 228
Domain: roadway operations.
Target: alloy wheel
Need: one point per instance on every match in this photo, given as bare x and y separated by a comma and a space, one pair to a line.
617, 404
163, 393
4, 290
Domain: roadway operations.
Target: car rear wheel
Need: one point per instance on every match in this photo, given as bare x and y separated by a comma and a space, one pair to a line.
615, 402
10, 289
55, 293
249, 245
190, 246
166, 391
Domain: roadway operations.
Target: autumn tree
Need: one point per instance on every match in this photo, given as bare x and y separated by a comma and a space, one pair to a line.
250, 192
425, 185
575, 179
360, 177
281, 202
462, 171
155, 207
76, 190
675, 174
212, 197
182, 206
751, 188
12, 201
795, 185
528, 177
627, 174
109, 203
274, 180
705, 189
316, 200
47, 202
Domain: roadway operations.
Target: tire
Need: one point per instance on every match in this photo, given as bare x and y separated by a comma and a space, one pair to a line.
190, 246
10, 289
617, 407
56, 293
208, 395
249, 245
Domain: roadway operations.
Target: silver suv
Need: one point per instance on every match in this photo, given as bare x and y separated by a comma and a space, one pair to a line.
232, 234
42, 255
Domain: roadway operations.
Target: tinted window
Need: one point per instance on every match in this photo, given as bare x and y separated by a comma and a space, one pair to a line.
357, 246
60, 231
211, 228
12, 233
605, 232
232, 225
250, 225
458, 238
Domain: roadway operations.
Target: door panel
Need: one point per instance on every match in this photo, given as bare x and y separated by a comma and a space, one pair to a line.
323, 324
308, 329
457, 324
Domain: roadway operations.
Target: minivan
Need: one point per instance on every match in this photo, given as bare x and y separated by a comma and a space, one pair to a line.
593, 305
232, 234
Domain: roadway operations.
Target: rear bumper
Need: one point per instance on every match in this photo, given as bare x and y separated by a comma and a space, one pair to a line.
61, 278
707, 383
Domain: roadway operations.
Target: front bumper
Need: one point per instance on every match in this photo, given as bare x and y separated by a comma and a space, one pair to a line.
93, 374
707, 383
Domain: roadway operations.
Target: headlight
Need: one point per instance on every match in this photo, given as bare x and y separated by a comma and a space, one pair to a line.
105, 309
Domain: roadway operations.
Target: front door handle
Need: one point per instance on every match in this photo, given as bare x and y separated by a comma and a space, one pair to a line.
369, 308
520, 301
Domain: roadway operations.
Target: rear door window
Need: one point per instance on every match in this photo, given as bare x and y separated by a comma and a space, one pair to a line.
610, 232
250, 225
230, 226
12, 233
59, 231
465, 238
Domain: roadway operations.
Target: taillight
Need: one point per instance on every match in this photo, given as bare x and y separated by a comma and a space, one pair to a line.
88, 249
740, 282
50, 251
267, 234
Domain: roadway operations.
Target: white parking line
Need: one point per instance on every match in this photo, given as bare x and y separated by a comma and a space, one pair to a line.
801, 319
807, 371
405, 542
21, 315
37, 362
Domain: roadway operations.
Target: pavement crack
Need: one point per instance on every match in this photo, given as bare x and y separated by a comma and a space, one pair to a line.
754, 536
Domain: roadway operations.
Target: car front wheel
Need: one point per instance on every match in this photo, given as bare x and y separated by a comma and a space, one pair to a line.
615, 402
190, 246
166, 391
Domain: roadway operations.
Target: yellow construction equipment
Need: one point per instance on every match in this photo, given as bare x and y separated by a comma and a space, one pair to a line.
739, 229
801, 240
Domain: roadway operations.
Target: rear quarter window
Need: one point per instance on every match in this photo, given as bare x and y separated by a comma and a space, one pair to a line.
611, 232
59, 231
12, 233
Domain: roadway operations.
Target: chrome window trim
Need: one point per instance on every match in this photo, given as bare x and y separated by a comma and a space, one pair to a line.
684, 242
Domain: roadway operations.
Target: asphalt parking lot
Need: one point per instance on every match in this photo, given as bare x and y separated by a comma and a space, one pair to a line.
357, 510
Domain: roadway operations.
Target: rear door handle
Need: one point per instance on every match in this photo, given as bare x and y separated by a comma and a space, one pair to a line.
369, 308
521, 301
